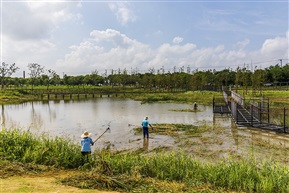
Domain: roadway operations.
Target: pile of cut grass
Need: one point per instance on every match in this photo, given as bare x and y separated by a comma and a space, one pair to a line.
14, 168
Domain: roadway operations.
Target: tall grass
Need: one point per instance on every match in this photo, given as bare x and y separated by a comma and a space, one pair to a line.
134, 171
249, 175
26, 147
241, 175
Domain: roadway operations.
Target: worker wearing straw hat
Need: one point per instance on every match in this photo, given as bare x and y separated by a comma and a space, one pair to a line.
86, 141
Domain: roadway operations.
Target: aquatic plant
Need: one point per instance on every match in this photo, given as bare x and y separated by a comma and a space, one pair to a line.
174, 130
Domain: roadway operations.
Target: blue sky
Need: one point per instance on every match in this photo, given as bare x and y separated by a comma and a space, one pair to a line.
79, 37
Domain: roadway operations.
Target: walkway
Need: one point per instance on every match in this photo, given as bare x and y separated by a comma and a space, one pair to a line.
256, 115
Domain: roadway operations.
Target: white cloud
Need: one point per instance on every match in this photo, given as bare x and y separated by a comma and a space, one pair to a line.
243, 44
43, 32
112, 36
36, 20
276, 46
12, 48
112, 50
123, 12
27, 34
177, 40
106, 50
170, 56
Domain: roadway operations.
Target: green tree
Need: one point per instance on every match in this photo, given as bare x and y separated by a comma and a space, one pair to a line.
35, 72
286, 73
96, 79
53, 78
258, 80
238, 79
276, 73
246, 78
6, 71
196, 80
124, 78
44, 80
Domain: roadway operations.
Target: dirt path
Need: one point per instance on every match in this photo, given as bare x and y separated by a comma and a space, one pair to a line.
42, 183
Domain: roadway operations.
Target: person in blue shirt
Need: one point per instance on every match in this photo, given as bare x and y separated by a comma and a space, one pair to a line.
86, 142
145, 123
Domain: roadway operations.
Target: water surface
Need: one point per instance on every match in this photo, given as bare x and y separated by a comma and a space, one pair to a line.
71, 118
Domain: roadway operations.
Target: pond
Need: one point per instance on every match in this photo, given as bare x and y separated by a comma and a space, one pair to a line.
71, 118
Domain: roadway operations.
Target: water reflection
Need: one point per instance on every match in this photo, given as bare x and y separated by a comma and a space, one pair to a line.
3, 118
74, 116
146, 144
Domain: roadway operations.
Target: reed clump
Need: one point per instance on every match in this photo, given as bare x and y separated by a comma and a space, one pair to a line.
26, 147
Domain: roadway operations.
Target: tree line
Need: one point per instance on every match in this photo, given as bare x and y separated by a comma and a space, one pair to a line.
153, 79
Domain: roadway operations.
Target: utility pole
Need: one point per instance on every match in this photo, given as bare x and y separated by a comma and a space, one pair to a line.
280, 62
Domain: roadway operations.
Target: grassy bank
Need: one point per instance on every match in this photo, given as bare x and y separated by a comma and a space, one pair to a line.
14, 97
22, 95
159, 170
200, 97
276, 97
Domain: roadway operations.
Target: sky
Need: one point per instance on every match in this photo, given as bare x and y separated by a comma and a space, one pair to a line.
80, 37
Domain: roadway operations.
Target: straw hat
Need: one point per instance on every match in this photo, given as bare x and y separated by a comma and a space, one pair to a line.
85, 134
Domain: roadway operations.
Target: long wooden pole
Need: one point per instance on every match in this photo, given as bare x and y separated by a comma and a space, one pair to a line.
102, 134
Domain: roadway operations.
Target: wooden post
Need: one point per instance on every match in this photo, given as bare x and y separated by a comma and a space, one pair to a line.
213, 103
260, 111
268, 111
251, 109
284, 120
236, 112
